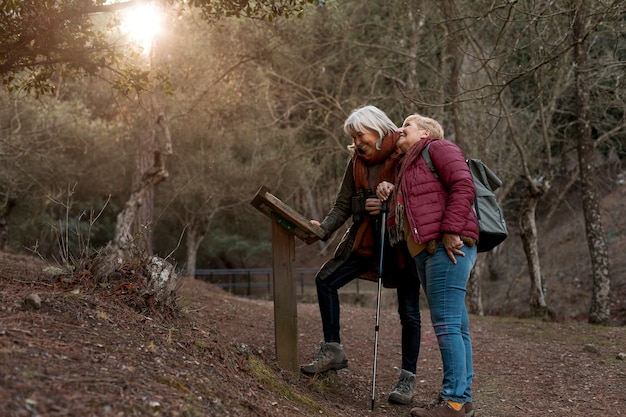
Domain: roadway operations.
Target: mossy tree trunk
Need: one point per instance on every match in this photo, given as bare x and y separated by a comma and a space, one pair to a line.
600, 310
528, 234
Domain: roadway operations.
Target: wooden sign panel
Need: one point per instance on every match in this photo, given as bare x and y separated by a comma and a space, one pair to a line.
286, 223
286, 216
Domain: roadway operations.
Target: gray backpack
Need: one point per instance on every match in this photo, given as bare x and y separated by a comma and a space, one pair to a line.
491, 224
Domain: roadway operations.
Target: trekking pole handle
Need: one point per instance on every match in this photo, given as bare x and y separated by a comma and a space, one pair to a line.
384, 206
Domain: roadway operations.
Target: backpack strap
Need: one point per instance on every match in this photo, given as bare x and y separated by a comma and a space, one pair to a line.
429, 162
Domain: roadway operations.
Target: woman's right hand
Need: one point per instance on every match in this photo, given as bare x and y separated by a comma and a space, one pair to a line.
384, 190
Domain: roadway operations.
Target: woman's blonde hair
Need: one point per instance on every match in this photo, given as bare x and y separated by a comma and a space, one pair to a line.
434, 128
369, 118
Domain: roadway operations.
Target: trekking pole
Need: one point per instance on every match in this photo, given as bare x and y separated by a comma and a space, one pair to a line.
384, 208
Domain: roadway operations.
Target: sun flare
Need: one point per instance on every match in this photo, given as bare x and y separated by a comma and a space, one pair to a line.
142, 23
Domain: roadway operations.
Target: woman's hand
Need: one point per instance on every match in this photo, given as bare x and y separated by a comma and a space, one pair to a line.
372, 206
315, 223
384, 190
453, 245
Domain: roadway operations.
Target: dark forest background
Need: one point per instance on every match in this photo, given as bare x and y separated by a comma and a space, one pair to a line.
228, 100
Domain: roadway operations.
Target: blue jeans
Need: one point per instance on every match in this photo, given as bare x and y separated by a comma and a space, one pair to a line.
445, 285
408, 306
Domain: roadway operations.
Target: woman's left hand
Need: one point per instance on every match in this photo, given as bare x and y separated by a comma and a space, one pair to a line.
453, 245
384, 190
372, 206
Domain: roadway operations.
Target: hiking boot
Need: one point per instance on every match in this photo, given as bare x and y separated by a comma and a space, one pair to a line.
469, 409
443, 409
330, 357
405, 389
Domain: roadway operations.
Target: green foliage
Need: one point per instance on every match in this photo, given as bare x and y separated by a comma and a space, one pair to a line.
77, 38
42, 38
226, 143
266, 10
262, 101
48, 148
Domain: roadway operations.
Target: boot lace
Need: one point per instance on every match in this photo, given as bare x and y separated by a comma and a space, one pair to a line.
323, 355
440, 401
404, 385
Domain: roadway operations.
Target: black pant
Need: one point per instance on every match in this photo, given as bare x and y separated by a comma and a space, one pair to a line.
408, 305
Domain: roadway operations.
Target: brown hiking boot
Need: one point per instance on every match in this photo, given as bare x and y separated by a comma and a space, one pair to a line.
469, 409
443, 409
330, 357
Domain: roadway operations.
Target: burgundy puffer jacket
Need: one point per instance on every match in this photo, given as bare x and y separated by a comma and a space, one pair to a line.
434, 206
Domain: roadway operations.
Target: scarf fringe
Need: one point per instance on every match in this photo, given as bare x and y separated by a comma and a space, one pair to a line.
396, 231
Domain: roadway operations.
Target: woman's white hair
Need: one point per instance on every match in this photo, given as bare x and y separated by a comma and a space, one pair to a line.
369, 118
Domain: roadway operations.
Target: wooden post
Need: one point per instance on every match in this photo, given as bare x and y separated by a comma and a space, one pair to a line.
285, 301
286, 223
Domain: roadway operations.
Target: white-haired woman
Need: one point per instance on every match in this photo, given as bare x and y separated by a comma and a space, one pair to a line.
374, 160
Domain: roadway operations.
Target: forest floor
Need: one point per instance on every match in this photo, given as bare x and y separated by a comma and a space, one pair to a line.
90, 351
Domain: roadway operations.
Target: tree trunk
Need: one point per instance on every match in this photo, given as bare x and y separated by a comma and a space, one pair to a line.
146, 146
5, 212
453, 57
416, 27
151, 148
599, 312
452, 61
124, 238
528, 234
309, 200
159, 283
127, 236
193, 239
474, 295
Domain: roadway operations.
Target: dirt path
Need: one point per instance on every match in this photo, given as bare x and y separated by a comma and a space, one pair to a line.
86, 352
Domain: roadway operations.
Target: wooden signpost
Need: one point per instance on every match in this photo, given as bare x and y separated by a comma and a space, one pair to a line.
286, 223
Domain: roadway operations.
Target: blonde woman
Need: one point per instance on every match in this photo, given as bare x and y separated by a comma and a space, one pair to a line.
434, 216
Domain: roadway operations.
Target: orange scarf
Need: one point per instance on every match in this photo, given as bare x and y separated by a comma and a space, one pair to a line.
388, 156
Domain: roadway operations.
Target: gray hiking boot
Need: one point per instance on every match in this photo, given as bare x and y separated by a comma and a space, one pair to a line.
405, 389
330, 357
